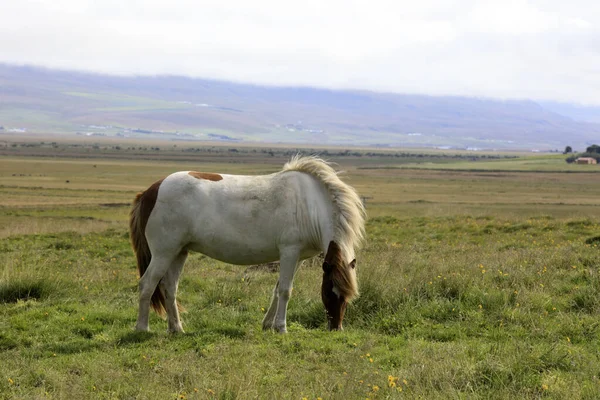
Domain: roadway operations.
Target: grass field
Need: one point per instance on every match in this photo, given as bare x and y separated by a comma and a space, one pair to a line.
479, 279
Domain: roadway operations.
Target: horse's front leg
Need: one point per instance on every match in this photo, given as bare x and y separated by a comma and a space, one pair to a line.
287, 270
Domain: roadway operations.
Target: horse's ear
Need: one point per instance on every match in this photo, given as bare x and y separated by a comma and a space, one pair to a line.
352, 264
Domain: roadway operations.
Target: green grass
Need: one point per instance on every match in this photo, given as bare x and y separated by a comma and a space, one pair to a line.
539, 163
33, 120
471, 287
127, 102
15, 291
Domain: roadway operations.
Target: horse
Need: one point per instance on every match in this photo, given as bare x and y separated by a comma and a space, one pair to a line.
291, 215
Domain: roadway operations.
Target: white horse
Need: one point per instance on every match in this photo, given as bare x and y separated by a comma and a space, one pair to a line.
289, 216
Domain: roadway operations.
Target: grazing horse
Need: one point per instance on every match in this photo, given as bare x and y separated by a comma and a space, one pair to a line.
290, 215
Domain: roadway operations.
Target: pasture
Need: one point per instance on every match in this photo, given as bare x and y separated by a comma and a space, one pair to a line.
479, 279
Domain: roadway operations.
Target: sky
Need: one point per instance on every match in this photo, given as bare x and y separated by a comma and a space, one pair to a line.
507, 49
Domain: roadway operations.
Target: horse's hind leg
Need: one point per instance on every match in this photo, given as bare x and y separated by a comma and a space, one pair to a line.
168, 285
148, 282
269, 319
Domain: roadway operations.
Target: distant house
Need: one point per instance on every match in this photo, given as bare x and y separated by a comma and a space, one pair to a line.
586, 160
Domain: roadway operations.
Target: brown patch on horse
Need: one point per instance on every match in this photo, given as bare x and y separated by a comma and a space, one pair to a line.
206, 175
138, 218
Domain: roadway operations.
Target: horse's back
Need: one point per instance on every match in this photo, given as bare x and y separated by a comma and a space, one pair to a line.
235, 218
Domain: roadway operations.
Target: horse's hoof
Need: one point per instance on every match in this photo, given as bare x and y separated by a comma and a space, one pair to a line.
268, 325
175, 328
141, 329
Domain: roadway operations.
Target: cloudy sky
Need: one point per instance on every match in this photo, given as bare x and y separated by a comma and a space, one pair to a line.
538, 49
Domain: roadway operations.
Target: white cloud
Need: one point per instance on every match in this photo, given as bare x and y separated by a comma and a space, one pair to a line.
515, 48
512, 17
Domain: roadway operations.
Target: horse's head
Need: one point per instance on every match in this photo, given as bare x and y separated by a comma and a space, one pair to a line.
338, 287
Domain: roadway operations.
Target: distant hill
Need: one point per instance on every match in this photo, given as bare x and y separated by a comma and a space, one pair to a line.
66, 102
578, 112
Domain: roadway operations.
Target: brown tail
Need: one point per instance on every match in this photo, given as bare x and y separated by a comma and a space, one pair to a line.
138, 217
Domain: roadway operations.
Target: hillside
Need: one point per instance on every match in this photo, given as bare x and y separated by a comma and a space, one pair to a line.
578, 112
50, 101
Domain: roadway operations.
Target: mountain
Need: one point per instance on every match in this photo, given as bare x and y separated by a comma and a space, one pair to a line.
578, 112
65, 102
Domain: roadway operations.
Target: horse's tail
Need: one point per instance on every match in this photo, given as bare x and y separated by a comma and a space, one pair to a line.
138, 217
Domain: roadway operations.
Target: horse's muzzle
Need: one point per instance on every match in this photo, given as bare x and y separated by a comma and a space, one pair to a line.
331, 327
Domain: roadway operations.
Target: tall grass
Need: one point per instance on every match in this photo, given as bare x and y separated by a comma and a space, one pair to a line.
473, 308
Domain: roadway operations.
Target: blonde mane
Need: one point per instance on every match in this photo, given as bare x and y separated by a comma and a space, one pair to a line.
349, 213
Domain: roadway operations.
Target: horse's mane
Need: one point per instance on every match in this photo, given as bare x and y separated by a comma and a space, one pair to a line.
350, 212
350, 218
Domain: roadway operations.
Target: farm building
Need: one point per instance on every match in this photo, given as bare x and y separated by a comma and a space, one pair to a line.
586, 160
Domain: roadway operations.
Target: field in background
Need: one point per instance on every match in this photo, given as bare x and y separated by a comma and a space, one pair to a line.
479, 280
